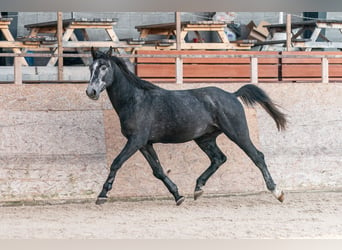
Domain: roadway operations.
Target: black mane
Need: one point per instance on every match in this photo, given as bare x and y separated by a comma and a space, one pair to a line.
134, 79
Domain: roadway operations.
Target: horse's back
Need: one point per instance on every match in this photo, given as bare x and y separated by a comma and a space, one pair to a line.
182, 115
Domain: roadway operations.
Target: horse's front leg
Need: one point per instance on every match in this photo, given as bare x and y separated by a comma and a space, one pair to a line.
130, 148
158, 172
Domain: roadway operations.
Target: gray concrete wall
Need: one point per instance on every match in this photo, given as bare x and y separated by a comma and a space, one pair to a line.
125, 27
55, 143
334, 34
42, 73
127, 21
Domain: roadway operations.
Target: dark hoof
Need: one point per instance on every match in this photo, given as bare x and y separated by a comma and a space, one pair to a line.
281, 198
101, 200
180, 201
198, 193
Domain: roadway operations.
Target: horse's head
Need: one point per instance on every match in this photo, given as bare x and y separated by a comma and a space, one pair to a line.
101, 73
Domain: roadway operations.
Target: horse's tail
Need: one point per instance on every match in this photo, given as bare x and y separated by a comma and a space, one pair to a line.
251, 94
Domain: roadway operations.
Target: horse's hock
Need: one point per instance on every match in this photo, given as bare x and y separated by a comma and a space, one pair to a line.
55, 143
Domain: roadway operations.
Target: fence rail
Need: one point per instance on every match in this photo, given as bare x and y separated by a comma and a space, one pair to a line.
327, 60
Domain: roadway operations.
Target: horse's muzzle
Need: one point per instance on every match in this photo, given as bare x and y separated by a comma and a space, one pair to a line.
92, 94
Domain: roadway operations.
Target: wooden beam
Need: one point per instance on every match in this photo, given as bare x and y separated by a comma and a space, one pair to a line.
179, 61
325, 70
288, 32
60, 44
8, 36
254, 70
18, 78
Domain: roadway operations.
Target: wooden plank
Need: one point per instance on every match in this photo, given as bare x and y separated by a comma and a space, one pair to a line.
191, 70
215, 80
85, 44
212, 46
195, 71
335, 60
206, 52
299, 60
16, 44
200, 28
90, 26
301, 71
67, 22
149, 70
205, 80
335, 71
205, 60
268, 71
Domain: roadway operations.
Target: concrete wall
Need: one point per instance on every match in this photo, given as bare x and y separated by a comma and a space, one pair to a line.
334, 34
55, 143
125, 27
127, 21
43, 73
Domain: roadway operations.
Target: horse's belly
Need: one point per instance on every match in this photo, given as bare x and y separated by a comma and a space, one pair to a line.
181, 133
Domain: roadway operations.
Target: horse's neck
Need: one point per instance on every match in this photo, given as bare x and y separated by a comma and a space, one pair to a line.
122, 93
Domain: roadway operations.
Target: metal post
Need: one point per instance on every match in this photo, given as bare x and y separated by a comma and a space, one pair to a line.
179, 61
60, 44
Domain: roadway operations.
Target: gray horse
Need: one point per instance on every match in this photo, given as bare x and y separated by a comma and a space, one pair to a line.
150, 114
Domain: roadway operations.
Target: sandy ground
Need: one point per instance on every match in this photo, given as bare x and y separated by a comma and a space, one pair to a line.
302, 215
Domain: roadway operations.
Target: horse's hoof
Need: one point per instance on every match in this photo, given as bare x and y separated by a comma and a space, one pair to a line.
281, 198
279, 194
101, 200
180, 201
197, 194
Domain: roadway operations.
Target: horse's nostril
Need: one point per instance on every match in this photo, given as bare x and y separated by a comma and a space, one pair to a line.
91, 92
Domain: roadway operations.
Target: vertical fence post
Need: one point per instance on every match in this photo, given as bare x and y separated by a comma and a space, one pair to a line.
288, 32
254, 70
325, 70
60, 44
18, 78
179, 60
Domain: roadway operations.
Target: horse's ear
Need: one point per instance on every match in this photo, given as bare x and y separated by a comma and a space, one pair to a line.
93, 52
110, 51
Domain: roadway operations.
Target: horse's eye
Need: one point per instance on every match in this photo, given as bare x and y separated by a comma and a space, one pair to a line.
103, 67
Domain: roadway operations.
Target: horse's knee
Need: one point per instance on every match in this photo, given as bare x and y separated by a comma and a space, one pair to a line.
260, 160
223, 159
219, 160
158, 173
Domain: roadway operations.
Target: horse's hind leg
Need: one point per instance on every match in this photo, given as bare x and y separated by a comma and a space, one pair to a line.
217, 158
158, 172
237, 131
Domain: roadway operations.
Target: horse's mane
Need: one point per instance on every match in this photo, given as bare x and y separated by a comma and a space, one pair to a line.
133, 79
